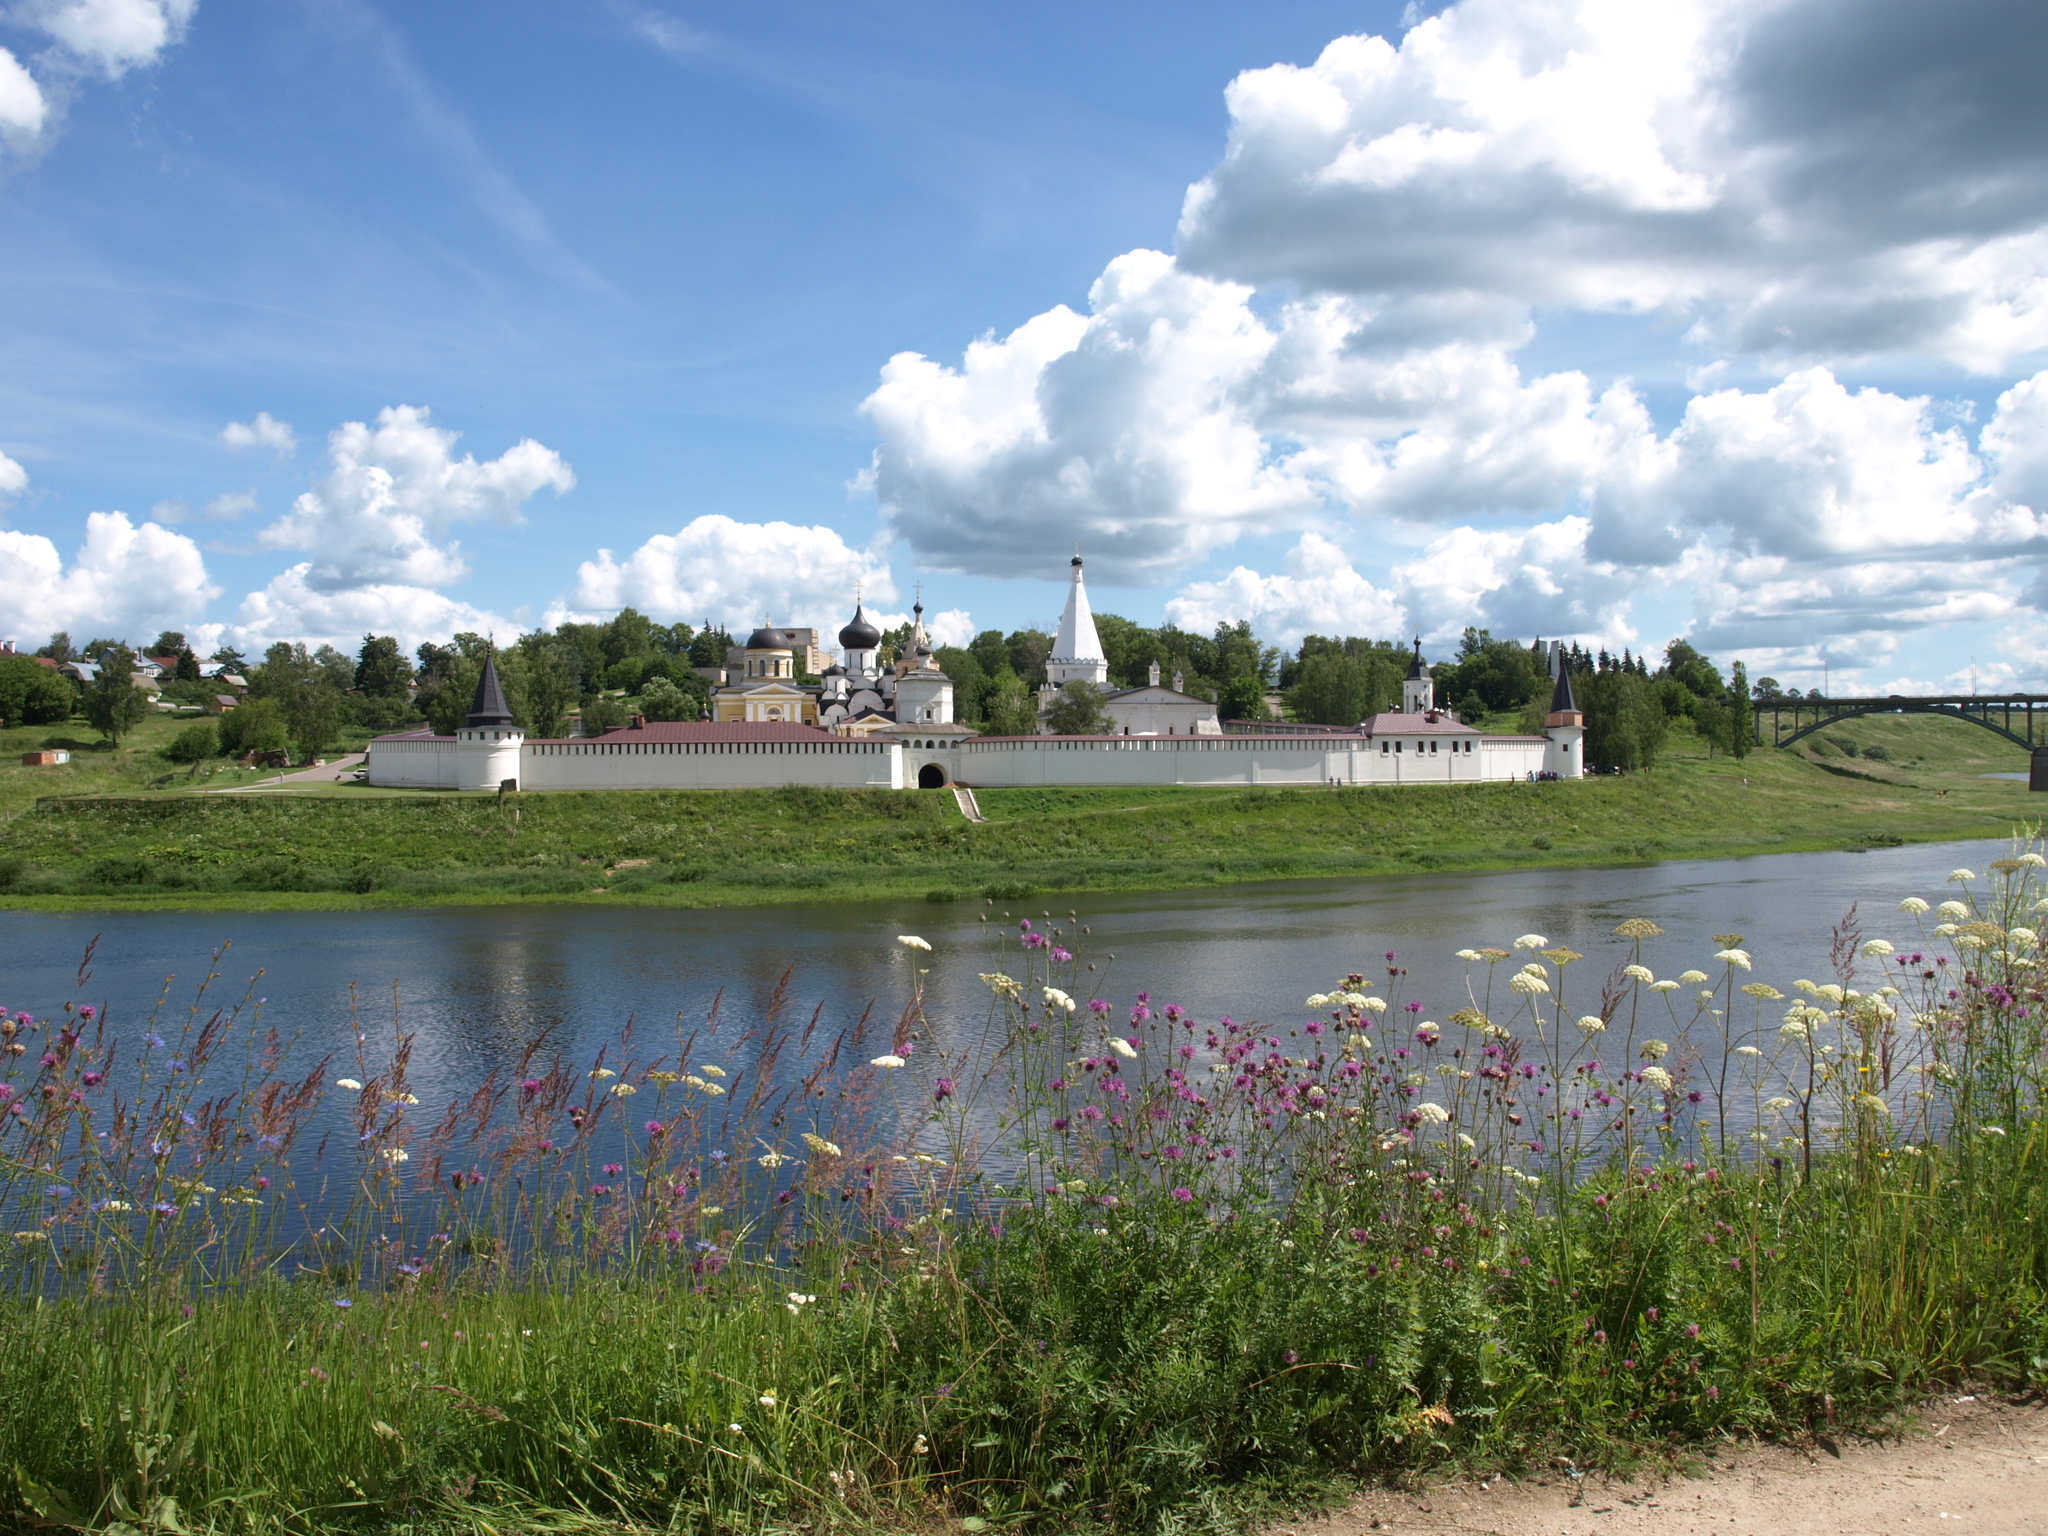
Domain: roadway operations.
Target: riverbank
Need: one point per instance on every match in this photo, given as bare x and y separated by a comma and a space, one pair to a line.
337, 847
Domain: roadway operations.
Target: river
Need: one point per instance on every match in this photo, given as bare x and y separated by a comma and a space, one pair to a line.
474, 984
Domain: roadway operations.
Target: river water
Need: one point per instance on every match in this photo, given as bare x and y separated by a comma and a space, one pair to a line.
474, 984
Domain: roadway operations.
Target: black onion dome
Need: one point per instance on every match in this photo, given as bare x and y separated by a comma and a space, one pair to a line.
766, 639
860, 635
1417, 667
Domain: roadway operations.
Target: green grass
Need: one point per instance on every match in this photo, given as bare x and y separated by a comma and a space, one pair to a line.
1237, 1285
345, 846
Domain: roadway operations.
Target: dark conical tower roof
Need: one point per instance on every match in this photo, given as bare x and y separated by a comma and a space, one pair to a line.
1561, 700
488, 707
1417, 667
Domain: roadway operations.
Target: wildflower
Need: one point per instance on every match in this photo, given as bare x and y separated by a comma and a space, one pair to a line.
1733, 957
887, 1063
1592, 1024
1764, 992
1639, 928
1434, 1114
1183, 1194
614, 1168
921, 1447
1055, 998
529, 1088
1692, 978
1374, 1005
1463, 954
942, 1089
1774, 1105
1875, 949
396, 1155
623, 1090
1657, 1078
821, 1146
2017, 935
1992, 1130
1528, 985
771, 1159
1122, 1047
1952, 911
2033, 859
1912, 906
1663, 986
343, 1302
1001, 985
654, 1128
349, 1083
1654, 1050
1747, 1050
601, 1073
1532, 941
1637, 973
1792, 1029
1961, 876
735, 1429
767, 1399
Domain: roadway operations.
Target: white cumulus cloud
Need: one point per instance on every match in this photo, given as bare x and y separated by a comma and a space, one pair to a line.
264, 432
291, 606
125, 580
1320, 593
381, 513
23, 109
114, 36
13, 479
735, 573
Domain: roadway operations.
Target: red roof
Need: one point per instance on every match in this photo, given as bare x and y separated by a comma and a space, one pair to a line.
1394, 723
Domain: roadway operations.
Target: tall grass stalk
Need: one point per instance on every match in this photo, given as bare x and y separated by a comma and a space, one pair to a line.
1082, 1263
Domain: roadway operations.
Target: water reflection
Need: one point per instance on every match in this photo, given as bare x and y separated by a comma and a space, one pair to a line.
474, 985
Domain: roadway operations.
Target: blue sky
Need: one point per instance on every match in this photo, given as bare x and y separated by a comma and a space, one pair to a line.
673, 249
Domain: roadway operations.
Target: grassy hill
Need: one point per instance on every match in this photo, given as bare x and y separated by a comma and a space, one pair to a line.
165, 844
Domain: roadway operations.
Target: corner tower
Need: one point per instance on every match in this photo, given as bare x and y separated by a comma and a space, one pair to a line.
487, 746
1564, 725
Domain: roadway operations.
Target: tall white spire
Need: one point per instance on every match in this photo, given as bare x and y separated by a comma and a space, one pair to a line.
1077, 651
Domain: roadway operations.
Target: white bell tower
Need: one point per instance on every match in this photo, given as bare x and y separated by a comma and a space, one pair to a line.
487, 746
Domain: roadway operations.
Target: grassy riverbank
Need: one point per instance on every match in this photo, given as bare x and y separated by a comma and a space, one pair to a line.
1113, 1269
345, 847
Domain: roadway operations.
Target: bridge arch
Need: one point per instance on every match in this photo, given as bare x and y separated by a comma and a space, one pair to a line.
1976, 710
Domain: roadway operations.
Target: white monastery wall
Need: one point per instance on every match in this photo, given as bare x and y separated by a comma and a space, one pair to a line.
414, 762
1077, 761
600, 764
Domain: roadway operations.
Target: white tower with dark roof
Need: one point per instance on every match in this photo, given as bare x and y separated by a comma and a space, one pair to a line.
487, 746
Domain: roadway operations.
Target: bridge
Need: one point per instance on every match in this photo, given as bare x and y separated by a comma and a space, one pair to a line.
2011, 715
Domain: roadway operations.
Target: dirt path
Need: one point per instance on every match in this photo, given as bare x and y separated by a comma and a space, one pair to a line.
1971, 1463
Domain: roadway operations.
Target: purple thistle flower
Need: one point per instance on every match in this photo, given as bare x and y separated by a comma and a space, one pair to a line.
612, 1168
529, 1088
1289, 1356
1183, 1194
942, 1090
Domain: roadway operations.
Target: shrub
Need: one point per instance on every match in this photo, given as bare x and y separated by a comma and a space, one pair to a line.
120, 869
197, 742
1878, 753
257, 725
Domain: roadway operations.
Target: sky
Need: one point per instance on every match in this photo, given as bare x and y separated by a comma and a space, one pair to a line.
1579, 319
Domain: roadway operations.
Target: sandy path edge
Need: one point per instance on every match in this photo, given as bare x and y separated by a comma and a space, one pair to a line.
1973, 1460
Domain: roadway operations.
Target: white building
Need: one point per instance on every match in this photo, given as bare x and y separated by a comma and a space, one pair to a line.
1147, 710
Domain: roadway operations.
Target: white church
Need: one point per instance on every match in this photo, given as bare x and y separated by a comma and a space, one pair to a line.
873, 726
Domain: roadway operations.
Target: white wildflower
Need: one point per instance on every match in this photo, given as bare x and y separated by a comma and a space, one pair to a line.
1592, 1024
1952, 911
601, 1073
1912, 906
1663, 986
349, 1083
771, 1159
1465, 1141
767, 1399
1001, 985
1470, 954
887, 1063
1961, 876
1317, 1000
1774, 1105
1352, 999
1122, 1047
1637, 973
1657, 1078
1527, 985
1434, 1114
821, 1146
1738, 957
912, 941
1654, 1050
1374, 1005
2033, 859
1992, 1130
1532, 941
1055, 998
1944, 930
1747, 1050
2023, 936
1692, 978
710, 1071
396, 1155
623, 1090
1792, 1029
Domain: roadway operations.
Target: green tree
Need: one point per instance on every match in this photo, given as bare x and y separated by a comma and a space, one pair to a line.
969, 682
304, 686
256, 725
601, 715
1702, 679
1077, 710
1625, 722
98, 647
1334, 688
33, 694
197, 742
631, 633
550, 683
59, 649
1741, 720
1010, 709
1027, 651
662, 699
230, 659
382, 672
168, 643
1243, 698
710, 645
188, 667
113, 703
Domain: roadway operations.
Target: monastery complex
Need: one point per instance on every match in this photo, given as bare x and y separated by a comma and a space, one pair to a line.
866, 724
